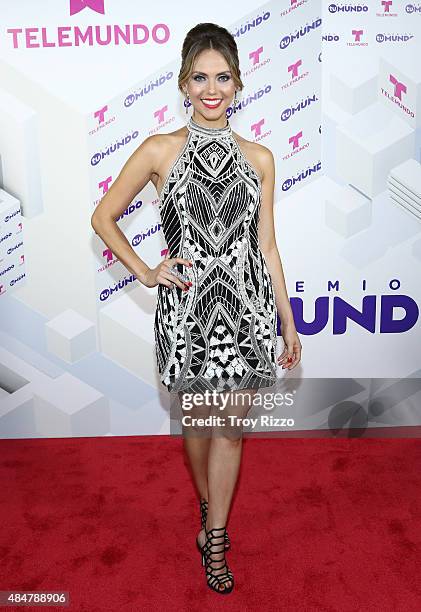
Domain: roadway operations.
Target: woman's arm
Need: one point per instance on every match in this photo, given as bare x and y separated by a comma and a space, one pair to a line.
291, 355
134, 175
267, 240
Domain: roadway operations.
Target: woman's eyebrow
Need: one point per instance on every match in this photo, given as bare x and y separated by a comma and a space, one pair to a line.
204, 73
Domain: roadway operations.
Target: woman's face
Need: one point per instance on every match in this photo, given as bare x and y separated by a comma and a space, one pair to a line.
210, 87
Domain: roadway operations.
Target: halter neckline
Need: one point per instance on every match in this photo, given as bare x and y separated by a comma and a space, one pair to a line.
209, 131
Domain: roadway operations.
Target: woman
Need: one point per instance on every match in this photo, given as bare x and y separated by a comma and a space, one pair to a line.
222, 285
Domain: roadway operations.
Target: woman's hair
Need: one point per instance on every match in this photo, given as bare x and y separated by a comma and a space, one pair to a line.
209, 36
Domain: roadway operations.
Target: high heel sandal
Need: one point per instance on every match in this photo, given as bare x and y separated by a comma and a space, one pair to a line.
208, 551
204, 514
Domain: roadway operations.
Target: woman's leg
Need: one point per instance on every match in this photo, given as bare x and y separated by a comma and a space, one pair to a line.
225, 456
196, 444
223, 468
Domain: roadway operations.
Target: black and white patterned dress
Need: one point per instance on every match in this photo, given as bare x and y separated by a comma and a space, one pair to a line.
220, 334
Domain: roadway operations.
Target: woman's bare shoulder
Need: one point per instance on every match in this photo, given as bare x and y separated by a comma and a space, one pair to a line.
161, 148
168, 139
254, 147
256, 153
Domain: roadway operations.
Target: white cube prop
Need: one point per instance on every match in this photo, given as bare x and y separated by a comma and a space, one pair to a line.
70, 336
69, 407
349, 213
369, 145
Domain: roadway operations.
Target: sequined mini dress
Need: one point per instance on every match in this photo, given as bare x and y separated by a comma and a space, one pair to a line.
221, 334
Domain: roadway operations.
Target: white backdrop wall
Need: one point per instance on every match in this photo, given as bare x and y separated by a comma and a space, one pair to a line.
332, 89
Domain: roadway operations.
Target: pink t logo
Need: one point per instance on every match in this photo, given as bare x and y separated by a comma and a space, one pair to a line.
255, 55
294, 139
104, 184
294, 68
387, 4
357, 34
108, 254
399, 87
78, 5
257, 127
160, 113
100, 114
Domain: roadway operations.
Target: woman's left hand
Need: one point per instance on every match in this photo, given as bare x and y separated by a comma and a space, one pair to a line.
291, 355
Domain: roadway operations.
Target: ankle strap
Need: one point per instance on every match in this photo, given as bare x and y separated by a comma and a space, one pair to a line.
223, 529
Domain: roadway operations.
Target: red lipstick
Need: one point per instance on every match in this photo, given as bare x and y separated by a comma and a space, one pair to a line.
208, 102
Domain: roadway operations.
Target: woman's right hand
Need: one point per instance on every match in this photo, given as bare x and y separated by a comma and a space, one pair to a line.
162, 274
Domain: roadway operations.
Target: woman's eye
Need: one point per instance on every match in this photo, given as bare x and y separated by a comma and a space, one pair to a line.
225, 77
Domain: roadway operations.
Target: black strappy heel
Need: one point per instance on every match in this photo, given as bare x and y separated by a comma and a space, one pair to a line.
208, 550
204, 514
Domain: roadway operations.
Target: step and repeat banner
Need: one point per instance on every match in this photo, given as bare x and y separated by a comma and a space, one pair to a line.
333, 89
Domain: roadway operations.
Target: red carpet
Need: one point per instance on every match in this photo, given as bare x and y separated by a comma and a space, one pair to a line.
317, 524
